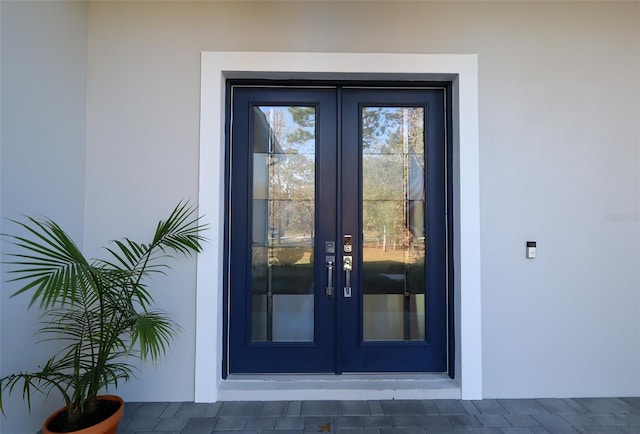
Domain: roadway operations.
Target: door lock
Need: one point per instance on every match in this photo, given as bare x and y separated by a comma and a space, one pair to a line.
347, 245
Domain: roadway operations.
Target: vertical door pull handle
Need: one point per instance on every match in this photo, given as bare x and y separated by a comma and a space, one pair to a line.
347, 266
329, 261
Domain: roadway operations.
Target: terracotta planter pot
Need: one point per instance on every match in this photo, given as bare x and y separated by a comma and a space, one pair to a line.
107, 426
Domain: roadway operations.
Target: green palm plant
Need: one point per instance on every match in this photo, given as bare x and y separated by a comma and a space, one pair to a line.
100, 309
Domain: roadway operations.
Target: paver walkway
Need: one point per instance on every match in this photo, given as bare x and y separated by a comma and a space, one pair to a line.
510, 416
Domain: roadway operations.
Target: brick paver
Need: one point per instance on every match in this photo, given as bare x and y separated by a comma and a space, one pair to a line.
491, 416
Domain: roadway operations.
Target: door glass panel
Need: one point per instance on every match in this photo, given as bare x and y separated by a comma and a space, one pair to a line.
393, 223
283, 224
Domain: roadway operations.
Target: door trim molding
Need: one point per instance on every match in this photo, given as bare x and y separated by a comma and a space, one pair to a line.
461, 70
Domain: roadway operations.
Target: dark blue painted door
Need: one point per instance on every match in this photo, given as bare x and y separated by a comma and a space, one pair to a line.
393, 196
336, 230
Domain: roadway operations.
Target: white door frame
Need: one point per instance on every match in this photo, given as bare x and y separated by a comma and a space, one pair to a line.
460, 69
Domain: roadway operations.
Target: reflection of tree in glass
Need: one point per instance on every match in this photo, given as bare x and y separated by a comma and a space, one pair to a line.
374, 127
392, 136
305, 118
293, 170
384, 129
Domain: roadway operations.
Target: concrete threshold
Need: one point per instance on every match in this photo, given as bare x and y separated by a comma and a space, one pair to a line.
251, 387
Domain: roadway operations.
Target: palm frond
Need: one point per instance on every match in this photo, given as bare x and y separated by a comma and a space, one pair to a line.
98, 310
152, 334
51, 264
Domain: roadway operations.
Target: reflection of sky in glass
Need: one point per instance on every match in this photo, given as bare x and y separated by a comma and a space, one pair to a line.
280, 120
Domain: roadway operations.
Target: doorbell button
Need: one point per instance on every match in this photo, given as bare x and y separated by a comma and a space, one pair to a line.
531, 249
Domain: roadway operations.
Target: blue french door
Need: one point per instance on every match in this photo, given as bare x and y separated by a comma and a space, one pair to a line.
336, 230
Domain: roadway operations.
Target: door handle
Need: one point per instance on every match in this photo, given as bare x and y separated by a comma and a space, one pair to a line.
347, 266
329, 262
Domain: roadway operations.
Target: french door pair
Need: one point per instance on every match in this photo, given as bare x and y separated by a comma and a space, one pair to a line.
336, 230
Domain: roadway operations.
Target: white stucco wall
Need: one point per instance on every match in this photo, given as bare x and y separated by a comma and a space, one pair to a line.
559, 98
43, 140
567, 134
